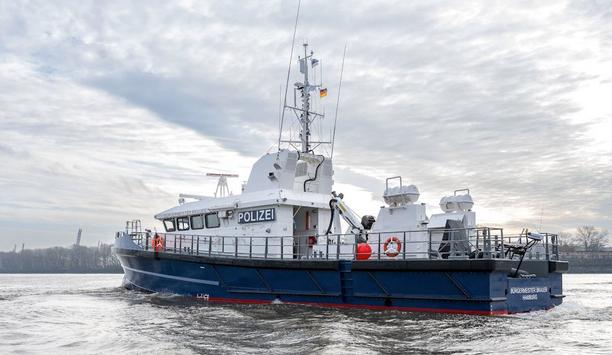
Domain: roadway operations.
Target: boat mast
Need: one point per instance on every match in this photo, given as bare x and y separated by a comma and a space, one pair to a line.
303, 114
305, 91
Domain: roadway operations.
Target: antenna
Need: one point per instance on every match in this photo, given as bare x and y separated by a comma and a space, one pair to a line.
338, 103
280, 106
297, 16
305, 119
222, 187
304, 114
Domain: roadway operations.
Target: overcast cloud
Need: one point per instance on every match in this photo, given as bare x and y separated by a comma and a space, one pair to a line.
109, 109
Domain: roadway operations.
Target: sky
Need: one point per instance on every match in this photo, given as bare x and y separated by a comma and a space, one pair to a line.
110, 109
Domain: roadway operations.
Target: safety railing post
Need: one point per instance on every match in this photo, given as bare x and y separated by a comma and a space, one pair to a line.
355, 248
496, 243
487, 242
282, 256
209, 245
191, 250
503, 250
378, 247
326, 247
547, 252
147, 243
338, 246
405, 246
429, 249
198, 245
174, 249
222, 245
250, 247
266, 249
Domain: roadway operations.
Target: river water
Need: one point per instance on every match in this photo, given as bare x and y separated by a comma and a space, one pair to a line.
94, 314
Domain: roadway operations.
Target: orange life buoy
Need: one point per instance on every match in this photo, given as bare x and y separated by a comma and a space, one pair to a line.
392, 247
157, 243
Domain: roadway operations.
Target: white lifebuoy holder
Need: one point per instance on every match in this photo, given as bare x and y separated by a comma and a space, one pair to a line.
392, 247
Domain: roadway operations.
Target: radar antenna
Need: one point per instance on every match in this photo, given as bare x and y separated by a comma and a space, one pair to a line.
222, 187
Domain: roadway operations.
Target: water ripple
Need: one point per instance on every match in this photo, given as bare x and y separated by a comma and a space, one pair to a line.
93, 314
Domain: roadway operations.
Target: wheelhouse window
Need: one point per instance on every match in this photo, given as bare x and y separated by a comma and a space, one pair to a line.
197, 222
182, 223
212, 220
169, 225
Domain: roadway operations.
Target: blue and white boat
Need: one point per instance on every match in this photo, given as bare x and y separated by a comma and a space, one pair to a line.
281, 241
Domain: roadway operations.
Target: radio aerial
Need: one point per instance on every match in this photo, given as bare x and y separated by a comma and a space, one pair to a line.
222, 187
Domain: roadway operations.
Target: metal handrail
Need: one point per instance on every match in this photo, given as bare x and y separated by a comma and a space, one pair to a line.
479, 243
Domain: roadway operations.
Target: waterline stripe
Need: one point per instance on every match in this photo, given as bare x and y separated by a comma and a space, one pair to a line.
188, 279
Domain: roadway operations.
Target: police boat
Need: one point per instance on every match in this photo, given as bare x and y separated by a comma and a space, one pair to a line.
281, 240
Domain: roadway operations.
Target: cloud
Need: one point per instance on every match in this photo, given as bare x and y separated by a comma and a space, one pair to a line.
103, 100
93, 160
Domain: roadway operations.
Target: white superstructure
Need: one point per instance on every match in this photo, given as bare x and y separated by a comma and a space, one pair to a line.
289, 197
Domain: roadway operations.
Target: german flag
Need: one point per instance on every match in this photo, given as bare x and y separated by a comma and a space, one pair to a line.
323, 92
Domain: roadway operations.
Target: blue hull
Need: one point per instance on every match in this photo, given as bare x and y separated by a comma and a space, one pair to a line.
449, 286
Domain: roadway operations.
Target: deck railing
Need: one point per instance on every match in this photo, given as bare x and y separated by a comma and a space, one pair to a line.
468, 243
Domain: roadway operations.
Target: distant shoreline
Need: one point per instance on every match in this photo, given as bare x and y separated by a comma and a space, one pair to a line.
101, 260
60, 260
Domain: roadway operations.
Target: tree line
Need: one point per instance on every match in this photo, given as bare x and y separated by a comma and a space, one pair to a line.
586, 238
76, 259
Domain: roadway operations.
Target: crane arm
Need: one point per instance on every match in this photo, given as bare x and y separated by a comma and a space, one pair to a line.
347, 214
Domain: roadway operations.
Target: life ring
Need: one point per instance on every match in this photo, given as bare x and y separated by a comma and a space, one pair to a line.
158, 243
392, 247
